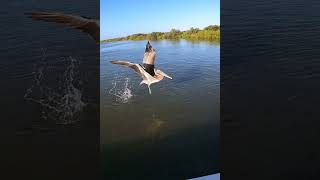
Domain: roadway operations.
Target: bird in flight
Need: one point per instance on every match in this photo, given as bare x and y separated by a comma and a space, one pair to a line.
149, 75
87, 25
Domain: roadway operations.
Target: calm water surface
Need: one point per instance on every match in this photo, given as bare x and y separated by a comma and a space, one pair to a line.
171, 133
270, 89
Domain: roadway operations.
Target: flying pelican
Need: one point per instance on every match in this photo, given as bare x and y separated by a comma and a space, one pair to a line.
88, 25
148, 75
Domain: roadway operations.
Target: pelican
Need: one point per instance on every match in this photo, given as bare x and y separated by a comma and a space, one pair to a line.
146, 70
87, 25
147, 78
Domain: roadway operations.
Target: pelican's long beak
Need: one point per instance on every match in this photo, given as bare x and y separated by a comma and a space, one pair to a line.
164, 74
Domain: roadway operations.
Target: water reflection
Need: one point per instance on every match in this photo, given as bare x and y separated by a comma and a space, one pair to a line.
154, 127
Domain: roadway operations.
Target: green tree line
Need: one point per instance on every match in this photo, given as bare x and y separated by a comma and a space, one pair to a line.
209, 33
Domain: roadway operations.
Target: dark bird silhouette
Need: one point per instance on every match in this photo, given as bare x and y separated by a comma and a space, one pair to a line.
87, 25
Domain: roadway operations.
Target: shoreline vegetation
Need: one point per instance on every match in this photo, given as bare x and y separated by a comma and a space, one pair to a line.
209, 33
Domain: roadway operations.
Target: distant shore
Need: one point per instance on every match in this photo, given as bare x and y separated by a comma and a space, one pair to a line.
209, 33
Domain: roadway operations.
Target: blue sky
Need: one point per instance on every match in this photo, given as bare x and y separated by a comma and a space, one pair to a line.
124, 17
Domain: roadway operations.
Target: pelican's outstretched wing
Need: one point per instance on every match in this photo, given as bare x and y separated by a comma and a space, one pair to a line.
135, 67
90, 26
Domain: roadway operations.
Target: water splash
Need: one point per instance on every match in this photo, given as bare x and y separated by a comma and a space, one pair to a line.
62, 101
122, 94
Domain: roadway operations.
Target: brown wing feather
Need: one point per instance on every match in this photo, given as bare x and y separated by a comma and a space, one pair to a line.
133, 66
87, 25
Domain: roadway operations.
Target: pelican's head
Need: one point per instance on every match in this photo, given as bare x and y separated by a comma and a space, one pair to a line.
158, 77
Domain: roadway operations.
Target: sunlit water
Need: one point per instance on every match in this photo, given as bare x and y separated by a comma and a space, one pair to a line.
172, 131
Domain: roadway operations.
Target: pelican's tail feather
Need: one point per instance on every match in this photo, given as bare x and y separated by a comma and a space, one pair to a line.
149, 89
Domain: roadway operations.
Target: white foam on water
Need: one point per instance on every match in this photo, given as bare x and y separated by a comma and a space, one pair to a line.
62, 103
122, 93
